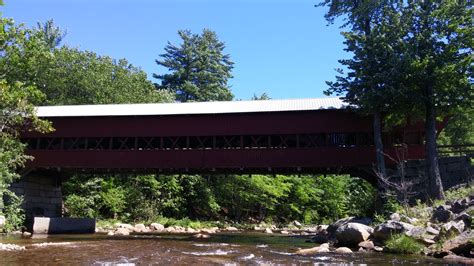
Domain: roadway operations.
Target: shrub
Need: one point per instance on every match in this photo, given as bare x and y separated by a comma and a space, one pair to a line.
403, 244
14, 213
80, 206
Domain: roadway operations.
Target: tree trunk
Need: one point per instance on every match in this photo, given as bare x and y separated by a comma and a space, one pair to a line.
379, 155
431, 156
380, 161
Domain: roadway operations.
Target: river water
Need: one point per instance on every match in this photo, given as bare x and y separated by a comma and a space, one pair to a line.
221, 249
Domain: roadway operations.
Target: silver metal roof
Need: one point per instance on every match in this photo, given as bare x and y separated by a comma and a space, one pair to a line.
190, 108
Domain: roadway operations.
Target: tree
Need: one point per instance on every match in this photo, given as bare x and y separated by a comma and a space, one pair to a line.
438, 77
263, 96
373, 39
410, 57
199, 69
70, 76
52, 35
16, 109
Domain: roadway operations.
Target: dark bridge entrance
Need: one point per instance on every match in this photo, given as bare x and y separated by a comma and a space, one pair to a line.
279, 136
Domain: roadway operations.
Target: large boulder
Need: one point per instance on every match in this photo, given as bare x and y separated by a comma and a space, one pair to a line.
460, 205
442, 214
466, 218
367, 245
140, 228
126, 226
343, 250
157, 227
384, 231
352, 234
452, 228
320, 237
461, 245
332, 228
122, 232
455, 259
323, 248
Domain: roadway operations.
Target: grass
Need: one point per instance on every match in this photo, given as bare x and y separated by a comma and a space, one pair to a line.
403, 244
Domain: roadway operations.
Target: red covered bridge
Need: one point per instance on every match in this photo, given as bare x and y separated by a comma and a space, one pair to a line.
275, 136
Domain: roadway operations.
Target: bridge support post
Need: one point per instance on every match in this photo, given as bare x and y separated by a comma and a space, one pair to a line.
41, 192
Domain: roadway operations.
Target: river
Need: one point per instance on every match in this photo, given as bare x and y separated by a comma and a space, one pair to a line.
220, 249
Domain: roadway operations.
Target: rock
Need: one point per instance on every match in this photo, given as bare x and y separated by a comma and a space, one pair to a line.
310, 251
11, 247
435, 226
343, 250
416, 232
332, 228
367, 245
157, 227
461, 245
258, 228
432, 231
231, 229
284, 232
297, 224
428, 241
323, 250
378, 249
139, 228
452, 228
201, 236
212, 230
439, 254
321, 237
458, 259
407, 219
442, 214
384, 231
110, 233
191, 230
122, 232
26, 234
175, 229
126, 226
268, 231
2, 221
460, 205
352, 234
395, 217
466, 218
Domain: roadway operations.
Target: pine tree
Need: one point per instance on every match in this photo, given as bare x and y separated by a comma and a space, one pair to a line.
198, 68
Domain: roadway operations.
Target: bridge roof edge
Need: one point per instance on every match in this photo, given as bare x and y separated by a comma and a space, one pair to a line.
224, 107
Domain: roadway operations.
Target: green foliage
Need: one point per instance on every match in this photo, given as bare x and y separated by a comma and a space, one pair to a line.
459, 193
50, 33
199, 69
403, 244
71, 76
114, 199
79, 206
176, 200
16, 107
460, 129
261, 97
14, 214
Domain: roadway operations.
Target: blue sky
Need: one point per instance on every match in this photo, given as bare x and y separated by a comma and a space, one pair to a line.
283, 48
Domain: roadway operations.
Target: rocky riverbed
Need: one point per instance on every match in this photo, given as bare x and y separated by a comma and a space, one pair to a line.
446, 234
